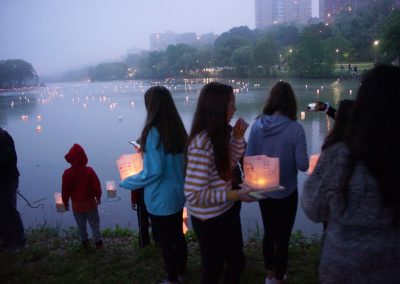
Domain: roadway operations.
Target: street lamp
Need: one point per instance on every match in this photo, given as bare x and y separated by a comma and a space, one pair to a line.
376, 43
337, 55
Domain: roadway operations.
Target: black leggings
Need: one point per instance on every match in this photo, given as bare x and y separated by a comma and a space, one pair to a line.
278, 217
221, 242
172, 242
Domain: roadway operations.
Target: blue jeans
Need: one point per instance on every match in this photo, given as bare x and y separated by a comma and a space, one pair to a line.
94, 221
12, 232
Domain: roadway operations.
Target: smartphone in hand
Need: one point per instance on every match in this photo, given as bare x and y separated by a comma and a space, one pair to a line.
135, 144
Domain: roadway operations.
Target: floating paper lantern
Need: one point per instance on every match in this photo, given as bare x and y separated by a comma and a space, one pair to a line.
261, 172
129, 164
24, 117
38, 117
111, 189
313, 162
303, 115
39, 128
59, 203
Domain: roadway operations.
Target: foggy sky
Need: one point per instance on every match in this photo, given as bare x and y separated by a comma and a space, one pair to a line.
57, 35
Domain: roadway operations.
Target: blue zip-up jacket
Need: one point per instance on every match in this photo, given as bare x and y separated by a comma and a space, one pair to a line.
280, 137
162, 178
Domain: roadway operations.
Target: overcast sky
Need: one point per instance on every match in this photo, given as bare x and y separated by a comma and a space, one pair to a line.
57, 35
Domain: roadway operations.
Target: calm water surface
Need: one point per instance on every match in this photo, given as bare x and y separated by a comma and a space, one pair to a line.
103, 117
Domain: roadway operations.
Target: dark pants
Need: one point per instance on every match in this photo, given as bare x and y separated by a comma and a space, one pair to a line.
172, 242
221, 242
143, 220
11, 228
93, 219
278, 216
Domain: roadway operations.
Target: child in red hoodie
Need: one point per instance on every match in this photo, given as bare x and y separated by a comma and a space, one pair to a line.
81, 184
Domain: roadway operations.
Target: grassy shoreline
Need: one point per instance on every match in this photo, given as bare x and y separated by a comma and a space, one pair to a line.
55, 256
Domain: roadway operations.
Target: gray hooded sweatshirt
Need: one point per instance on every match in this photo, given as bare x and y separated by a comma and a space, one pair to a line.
280, 137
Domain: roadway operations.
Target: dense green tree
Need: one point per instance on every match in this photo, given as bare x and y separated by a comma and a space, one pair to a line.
313, 57
109, 71
181, 58
153, 65
390, 37
17, 73
284, 34
243, 61
266, 54
227, 42
362, 27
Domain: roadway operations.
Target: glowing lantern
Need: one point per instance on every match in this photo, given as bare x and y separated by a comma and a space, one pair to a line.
39, 128
38, 117
59, 203
261, 172
313, 162
185, 219
303, 115
129, 164
111, 189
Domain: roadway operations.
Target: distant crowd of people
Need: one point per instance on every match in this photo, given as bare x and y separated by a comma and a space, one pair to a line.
353, 190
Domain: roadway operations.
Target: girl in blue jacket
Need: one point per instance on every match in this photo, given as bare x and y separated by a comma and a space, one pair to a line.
276, 133
163, 141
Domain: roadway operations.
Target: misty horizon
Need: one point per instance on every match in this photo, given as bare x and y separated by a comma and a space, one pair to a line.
56, 37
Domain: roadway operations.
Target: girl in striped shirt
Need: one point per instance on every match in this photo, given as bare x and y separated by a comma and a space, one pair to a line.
212, 152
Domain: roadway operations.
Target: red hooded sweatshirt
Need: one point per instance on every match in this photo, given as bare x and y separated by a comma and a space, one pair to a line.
79, 182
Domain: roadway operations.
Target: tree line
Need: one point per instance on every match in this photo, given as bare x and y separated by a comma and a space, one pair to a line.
310, 51
17, 73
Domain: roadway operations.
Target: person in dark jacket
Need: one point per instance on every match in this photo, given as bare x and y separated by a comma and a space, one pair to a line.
81, 184
12, 236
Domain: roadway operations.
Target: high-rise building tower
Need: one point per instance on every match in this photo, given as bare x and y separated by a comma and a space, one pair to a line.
269, 12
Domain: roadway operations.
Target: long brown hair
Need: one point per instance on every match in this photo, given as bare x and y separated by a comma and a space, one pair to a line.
281, 99
373, 134
211, 116
163, 115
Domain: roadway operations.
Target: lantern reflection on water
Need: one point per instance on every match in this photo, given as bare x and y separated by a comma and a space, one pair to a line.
111, 189
261, 172
129, 164
59, 204
313, 162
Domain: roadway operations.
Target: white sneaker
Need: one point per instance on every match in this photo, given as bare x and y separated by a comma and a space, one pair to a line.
270, 281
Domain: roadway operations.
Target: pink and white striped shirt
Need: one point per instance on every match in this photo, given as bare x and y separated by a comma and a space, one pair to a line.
207, 194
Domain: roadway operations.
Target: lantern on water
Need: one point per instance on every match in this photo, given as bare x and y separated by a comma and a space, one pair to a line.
313, 162
261, 172
129, 164
185, 220
111, 189
59, 203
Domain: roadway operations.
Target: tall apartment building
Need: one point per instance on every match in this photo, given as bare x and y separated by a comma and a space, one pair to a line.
269, 12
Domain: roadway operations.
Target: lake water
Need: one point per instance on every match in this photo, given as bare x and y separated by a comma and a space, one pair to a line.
103, 117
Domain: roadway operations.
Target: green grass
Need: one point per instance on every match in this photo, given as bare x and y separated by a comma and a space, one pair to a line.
54, 255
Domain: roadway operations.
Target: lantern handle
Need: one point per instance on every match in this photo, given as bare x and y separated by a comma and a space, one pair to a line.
30, 204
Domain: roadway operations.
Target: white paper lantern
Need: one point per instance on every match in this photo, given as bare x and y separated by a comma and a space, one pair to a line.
111, 189
129, 164
261, 172
59, 203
